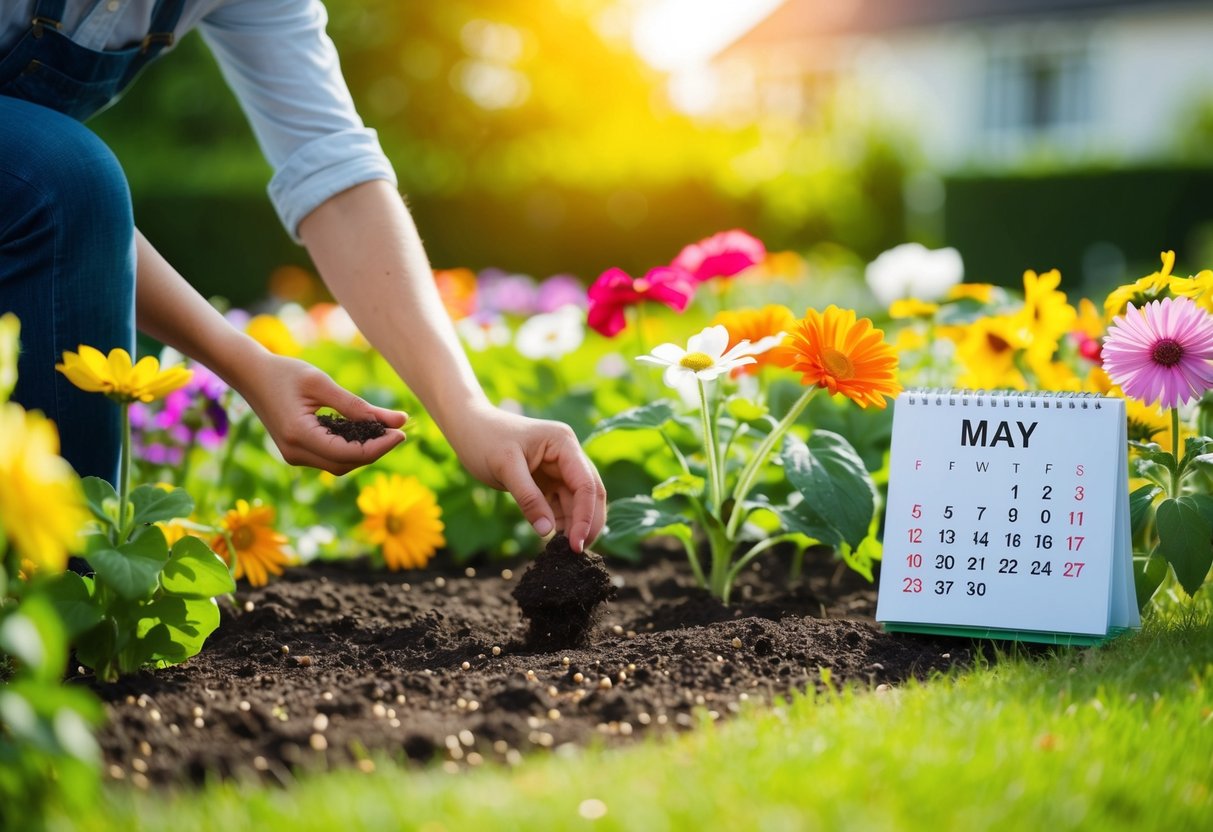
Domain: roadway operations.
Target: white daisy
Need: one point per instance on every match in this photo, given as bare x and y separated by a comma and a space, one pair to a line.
704, 358
551, 335
912, 270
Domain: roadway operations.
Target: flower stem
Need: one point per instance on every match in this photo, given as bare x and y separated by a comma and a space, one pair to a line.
124, 471
1175, 451
716, 492
745, 481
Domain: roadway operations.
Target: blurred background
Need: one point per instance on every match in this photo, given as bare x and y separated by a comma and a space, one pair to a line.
568, 136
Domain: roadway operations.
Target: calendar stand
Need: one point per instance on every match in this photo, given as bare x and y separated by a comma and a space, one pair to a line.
1008, 518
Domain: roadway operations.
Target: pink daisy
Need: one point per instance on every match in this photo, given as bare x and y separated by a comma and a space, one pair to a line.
721, 255
1161, 352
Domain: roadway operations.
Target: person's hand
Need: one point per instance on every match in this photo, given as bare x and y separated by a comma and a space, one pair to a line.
285, 393
541, 464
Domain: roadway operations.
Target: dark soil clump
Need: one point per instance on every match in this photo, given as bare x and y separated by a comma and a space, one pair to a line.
352, 430
560, 593
333, 662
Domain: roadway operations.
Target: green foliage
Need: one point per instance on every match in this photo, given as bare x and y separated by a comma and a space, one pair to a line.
146, 604
47, 753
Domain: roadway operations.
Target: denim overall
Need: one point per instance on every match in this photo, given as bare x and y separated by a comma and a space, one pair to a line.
67, 234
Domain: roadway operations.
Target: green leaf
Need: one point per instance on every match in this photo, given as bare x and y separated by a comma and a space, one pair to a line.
685, 484
1185, 539
861, 558
652, 415
194, 571
175, 628
1148, 573
153, 504
1139, 504
34, 636
744, 410
800, 518
133, 568
102, 500
834, 482
72, 599
636, 517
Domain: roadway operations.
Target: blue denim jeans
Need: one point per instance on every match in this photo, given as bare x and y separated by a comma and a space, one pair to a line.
67, 269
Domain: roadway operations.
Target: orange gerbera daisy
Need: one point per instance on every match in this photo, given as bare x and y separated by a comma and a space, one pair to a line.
258, 548
402, 515
754, 325
834, 350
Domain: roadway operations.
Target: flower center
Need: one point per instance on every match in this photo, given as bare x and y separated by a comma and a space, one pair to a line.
393, 524
1167, 352
641, 285
696, 361
243, 537
997, 343
837, 364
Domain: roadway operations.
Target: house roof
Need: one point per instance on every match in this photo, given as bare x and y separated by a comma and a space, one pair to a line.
800, 19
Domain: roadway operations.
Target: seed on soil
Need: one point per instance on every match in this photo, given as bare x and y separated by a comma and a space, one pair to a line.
244, 705
154, 714
145, 748
391, 713
286, 649
140, 781
643, 718
393, 723
565, 661
617, 630
470, 572
260, 763
139, 765
116, 772
605, 683
530, 675
320, 723
578, 678
496, 651
175, 730
199, 722
623, 676
318, 742
553, 714
736, 643
400, 699
440, 582
327, 696
366, 766
352, 430
406, 587
631, 668
466, 665
248, 606
465, 737
303, 661
507, 574
474, 758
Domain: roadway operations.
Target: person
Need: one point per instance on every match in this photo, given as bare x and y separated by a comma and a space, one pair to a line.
75, 269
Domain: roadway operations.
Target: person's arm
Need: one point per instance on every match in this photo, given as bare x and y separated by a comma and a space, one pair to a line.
285, 393
367, 249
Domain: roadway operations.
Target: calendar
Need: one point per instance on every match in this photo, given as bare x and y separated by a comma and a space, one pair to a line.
1008, 517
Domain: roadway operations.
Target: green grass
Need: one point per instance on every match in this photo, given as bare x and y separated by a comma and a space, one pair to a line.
1119, 737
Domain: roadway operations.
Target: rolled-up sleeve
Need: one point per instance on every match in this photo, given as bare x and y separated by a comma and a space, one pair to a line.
282, 66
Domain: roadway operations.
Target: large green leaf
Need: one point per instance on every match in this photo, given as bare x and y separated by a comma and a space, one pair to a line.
1139, 503
175, 627
73, 600
133, 568
834, 482
689, 485
194, 571
34, 636
797, 516
635, 517
652, 415
1148, 572
1185, 539
153, 504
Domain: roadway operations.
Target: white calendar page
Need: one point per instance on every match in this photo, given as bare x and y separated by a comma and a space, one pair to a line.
1003, 513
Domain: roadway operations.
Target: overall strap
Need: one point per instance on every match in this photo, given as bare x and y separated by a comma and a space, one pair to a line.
47, 13
164, 21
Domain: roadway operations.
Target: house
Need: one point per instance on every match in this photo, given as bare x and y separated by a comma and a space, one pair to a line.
985, 84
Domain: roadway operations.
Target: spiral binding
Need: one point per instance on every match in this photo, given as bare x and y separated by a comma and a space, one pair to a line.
1031, 399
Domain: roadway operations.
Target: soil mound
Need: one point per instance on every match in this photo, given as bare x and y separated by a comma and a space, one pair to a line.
560, 593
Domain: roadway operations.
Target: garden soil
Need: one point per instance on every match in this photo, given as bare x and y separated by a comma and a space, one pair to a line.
335, 664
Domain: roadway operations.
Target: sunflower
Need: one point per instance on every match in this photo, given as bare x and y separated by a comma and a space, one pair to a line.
912, 308
1160, 284
980, 292
988, 349
771, 322
1199, 288
41, 505
834, 350
403, 516
258, 548
114, 375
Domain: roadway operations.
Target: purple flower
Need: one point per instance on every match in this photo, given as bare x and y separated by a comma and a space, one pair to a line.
509, 294
560, 290
1161, 351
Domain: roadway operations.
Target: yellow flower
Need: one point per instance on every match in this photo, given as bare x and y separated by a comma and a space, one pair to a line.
10, 344
258, 548
1046, 315
1199, 288
403, 516
174, 530
1089, 322
833, 350
912, 308
1151, 287
980, 292
93, 371
1148, 423
273, 334
41, 504
987, 350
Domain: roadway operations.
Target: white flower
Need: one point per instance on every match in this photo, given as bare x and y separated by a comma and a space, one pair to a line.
337, 325
481, 333
913, 271
704, 358
551, 335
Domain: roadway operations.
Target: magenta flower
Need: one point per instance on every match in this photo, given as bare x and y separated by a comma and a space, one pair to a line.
721, 255
1161, 351
615, 290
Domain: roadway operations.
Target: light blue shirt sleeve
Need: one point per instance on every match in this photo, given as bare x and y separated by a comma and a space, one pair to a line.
280, 62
